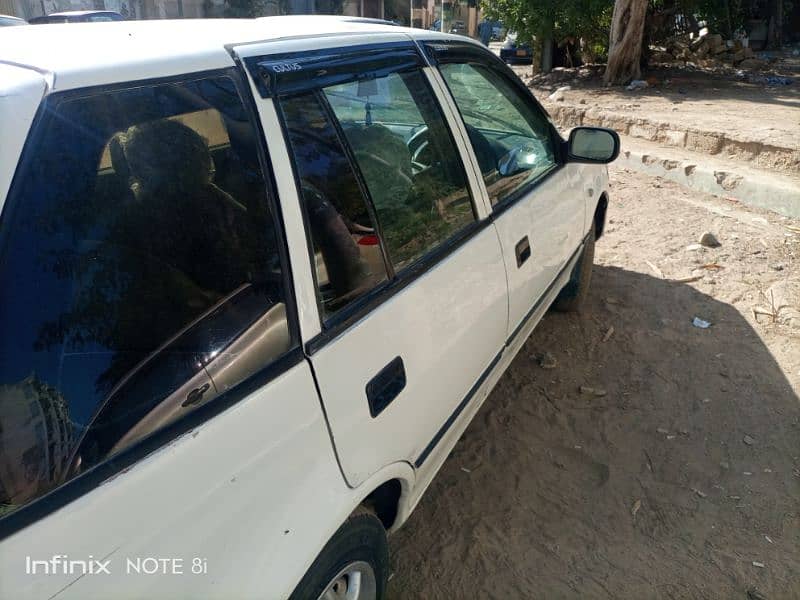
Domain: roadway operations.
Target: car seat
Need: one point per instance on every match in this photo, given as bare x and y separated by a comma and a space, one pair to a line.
180, 216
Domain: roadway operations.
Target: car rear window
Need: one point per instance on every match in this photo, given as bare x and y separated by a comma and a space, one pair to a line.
139, 275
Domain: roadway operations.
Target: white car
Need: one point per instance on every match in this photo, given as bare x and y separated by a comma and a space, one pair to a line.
257, 277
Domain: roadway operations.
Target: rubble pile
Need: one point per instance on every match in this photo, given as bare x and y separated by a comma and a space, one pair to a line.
708, 50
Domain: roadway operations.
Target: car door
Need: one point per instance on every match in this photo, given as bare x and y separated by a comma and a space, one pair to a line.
410, 283
538, 203
157, 413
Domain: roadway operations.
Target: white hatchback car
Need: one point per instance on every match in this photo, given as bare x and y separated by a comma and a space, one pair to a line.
257, 277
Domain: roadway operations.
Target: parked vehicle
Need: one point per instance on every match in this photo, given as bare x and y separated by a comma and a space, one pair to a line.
459, 28
78, 16
8, 21
515, 53
258, 276
498, 31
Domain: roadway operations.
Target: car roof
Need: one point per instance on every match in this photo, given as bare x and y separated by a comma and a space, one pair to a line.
53, 48
78, 55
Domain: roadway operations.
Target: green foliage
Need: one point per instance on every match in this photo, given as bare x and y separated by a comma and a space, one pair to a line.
559, 19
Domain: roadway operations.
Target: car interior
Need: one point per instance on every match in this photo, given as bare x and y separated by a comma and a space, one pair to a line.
173, 262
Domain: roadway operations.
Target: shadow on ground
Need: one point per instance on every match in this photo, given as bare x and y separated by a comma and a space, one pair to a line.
675, 478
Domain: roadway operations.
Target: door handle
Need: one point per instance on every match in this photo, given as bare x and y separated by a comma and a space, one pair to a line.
386, 386
195, 395
523, 251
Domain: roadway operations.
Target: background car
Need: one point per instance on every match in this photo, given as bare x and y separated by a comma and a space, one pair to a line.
78, 16
9, 21
513, 52
497, 30
459, 28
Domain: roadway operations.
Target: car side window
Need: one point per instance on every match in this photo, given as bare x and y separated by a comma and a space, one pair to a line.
408, 160
512, 140
140, 275
346, 250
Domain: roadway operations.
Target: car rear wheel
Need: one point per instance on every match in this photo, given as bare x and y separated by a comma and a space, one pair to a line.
573, 295
354, 565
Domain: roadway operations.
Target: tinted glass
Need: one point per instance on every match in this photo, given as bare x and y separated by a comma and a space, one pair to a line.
139, 276
408, 160
347, 254
511, 137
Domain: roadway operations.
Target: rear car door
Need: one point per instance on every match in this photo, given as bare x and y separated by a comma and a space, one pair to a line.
410, 282
538, 203
155, 403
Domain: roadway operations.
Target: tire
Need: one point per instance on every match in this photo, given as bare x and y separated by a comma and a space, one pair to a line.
573, 295
360, 542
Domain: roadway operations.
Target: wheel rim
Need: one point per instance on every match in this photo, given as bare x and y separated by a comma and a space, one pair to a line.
354, 582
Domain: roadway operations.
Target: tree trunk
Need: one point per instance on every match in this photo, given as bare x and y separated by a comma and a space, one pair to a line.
547, 55
775, 30
625, 47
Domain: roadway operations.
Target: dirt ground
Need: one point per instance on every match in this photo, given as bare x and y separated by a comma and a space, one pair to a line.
691, 99
675, 471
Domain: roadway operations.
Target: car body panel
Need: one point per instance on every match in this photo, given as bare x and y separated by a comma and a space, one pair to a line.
446, 341
258, 490
218, 493
78, 16
21, 90
9, 21
546, 215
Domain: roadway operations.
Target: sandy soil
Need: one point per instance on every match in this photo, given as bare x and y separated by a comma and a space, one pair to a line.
677, 475
692, 99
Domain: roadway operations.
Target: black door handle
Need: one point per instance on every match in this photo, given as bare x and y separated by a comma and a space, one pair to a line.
385, 386
195, 395
523, 251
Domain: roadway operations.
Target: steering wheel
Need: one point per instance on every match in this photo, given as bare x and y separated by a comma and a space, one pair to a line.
417, 144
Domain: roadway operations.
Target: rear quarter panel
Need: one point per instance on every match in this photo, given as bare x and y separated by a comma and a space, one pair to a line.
21, 91
253, 494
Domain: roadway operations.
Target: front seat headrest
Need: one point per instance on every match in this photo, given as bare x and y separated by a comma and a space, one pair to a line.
163, 155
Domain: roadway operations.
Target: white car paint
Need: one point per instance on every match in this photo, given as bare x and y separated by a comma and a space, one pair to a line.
551, 216
224, 492
21, 90
257, 491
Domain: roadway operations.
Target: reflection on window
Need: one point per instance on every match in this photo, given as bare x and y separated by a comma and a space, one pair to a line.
140, 277
347, 253
511, 138
408, 160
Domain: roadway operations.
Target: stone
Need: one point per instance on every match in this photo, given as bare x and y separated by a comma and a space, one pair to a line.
661, 57
548, 361
709, 240
738, 56
558, 95
753, 64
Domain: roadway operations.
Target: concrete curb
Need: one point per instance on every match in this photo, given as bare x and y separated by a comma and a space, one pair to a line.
714, 143
764, 190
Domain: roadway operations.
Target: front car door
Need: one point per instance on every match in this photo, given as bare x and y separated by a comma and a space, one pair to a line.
411, 295
537, 201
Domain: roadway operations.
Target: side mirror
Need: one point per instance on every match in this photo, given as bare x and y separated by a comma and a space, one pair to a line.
520, 158
592, 145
